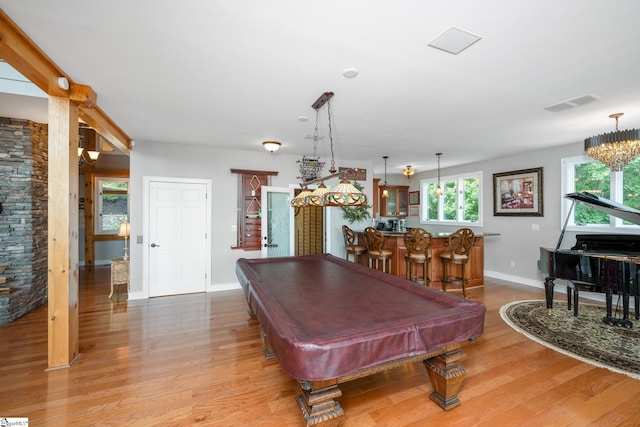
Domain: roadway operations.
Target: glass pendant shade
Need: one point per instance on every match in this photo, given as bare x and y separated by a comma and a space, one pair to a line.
385, 193
316, 198
345, 194
300, 200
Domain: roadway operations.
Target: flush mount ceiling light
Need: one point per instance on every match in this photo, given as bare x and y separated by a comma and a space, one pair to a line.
271, 146
343, 194
439, 188
408, 171
454, 40
614, 149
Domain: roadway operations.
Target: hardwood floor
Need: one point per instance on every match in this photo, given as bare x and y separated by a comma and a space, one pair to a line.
197, 359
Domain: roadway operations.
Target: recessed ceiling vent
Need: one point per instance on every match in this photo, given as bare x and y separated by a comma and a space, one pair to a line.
454, 40
572, 103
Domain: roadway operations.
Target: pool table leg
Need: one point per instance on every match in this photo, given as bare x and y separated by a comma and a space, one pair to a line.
317, 401
446, 375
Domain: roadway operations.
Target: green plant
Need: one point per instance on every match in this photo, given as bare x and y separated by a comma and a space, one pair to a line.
356, 213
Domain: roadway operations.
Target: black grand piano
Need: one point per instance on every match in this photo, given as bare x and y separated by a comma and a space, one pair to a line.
608, 263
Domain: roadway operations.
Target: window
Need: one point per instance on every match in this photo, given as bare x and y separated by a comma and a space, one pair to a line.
582, 173
112, 204
460, 203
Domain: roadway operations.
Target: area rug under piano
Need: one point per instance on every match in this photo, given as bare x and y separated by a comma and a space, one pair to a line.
584, 337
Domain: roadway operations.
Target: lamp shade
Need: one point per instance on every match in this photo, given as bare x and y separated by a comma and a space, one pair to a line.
316, 198
345, 194
300, 200
124, 230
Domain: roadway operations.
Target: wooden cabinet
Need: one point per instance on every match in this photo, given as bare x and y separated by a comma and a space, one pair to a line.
249, 207
397, 204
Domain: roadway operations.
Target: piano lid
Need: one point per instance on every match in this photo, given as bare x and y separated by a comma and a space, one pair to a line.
607, 206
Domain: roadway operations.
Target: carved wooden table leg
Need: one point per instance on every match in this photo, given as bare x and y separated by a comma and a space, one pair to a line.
446, 375
317, 401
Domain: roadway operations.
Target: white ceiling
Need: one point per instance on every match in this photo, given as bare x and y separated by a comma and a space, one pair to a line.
235, 73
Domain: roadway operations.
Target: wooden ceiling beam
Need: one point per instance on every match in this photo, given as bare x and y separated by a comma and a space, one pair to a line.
19, 51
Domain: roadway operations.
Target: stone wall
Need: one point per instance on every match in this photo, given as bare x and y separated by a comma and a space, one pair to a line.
23, 220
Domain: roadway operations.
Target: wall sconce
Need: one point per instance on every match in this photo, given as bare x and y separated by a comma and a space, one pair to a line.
271, 146
87, 156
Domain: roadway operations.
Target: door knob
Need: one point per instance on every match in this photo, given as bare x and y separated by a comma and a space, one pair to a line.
153, 245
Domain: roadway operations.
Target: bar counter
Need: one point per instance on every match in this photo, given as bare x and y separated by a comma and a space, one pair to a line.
394, 241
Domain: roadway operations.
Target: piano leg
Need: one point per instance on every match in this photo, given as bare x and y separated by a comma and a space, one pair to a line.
576, 288
636, 300
609, 319
548, 287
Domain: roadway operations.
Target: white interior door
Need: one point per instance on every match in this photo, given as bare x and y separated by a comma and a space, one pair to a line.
178, 237
277, 221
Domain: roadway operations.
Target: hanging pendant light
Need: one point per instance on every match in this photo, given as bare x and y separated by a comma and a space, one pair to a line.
614, 149
317, 197
439, 191
343, 194
385, 192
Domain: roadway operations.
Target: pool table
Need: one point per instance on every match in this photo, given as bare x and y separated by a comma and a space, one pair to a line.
328, 321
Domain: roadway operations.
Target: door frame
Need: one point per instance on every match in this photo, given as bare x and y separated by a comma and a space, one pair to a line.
146, 185
265, 216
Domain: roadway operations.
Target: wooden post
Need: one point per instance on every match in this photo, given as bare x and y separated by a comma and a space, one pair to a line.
64, 346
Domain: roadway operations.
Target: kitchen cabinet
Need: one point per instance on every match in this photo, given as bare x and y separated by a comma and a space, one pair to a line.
397, 204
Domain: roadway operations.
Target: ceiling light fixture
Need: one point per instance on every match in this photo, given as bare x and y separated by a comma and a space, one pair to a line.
87, 156
439, 188
614, 149
271, 146
343, 194
408, 171
385, 192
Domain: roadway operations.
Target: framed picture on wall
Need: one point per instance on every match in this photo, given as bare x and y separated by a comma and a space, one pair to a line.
414, 197
414, 210
518, 193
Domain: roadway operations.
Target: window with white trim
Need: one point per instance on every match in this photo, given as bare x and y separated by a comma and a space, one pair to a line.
460, 204
582, 173
112, 204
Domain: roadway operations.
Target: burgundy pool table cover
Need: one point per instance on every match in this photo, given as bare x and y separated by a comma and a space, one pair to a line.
326, 318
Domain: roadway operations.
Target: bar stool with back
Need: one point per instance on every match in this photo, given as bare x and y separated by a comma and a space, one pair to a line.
418, 241
459, 253
350, 246
375, 241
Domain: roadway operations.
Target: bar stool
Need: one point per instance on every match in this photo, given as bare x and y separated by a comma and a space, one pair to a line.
418, 241
460, 244
375, 241
350, 246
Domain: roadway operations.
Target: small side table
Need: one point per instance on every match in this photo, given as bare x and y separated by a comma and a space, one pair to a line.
119, 273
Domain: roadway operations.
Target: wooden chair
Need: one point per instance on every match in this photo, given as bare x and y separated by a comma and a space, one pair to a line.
350, 246
375, 241
418, 241
460, 244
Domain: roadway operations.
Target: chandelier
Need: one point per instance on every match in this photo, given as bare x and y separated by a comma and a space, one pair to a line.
343, 194
614, 149
408, 171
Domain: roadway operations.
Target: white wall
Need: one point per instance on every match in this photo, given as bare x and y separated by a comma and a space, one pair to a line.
188, 161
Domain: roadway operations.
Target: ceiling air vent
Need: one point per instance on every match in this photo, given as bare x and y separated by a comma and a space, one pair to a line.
572, 103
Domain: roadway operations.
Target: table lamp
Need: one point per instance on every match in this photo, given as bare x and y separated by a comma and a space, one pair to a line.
123, 231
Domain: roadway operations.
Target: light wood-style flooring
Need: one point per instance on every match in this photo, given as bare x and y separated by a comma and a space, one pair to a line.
197, 360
